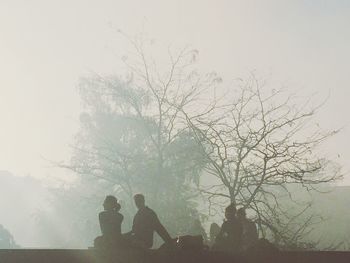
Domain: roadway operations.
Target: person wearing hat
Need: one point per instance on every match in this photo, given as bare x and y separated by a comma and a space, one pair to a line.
110, 223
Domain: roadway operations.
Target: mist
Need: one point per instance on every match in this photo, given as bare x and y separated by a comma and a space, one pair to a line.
60, 131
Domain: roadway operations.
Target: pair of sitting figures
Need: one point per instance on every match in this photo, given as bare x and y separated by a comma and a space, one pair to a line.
145, 223
237, 233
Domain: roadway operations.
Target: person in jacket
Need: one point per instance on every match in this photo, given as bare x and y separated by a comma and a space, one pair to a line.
110, 223
250, 233
229, 238
145, 223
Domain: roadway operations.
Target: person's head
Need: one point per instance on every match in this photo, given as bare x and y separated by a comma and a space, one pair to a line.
111, 203
230, 212
241, 213
139, 200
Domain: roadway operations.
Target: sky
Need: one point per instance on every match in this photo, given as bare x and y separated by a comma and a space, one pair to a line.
46, 46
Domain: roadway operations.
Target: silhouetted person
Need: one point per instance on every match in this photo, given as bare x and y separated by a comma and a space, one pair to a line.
213, 233
6, 239
197, 230
110, 223
250, 233
230, 236
145, 223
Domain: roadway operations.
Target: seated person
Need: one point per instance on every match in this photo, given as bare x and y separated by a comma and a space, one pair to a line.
110, 223
213, 233
145, 223
230, 236
250, 233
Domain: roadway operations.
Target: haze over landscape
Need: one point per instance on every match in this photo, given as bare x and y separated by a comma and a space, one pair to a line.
47, 46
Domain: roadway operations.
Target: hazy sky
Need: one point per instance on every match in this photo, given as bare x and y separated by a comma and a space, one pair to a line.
45, 46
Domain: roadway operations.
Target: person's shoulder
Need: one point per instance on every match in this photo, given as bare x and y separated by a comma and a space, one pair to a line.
250, 222
224, 224
102, 214
150, 211
119, 215
233, 223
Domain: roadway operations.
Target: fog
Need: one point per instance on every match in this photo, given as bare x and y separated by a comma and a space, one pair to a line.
46, 47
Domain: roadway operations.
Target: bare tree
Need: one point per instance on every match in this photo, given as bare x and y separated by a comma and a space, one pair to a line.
155, 130
132, 137
257, 146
